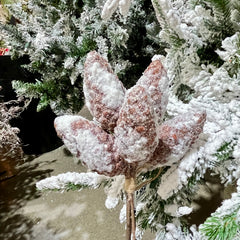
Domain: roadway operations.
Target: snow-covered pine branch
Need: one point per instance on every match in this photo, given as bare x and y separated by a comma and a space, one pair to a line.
71, 181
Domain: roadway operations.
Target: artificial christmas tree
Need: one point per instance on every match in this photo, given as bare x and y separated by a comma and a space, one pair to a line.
57, 35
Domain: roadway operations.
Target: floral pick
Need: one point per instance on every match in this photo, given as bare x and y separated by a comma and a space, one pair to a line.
127, 131
127, 135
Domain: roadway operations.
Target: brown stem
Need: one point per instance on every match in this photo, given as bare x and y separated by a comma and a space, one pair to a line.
131, 222
133, 217
128, 216
148, 181
130, 188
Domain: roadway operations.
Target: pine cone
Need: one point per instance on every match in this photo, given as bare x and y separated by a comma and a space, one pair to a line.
155, 81
91, 144
135, 133
138, 140
176, 136
103, 91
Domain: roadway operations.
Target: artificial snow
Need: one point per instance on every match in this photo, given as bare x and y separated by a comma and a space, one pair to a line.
170, 182
109, 8
135, 133
63, 125
114, 191
122, 215
88, 142
93, 152
92, 180
111, 202
108, 84
184, 211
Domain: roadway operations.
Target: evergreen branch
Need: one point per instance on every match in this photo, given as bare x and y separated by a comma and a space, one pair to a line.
222, 26
174, 40
72, 181
224, 223
216, 228
225, 152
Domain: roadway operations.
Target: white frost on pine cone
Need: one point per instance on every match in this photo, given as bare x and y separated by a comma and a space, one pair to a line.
108, 84
60, 181
135, 132
65, 123
111, 6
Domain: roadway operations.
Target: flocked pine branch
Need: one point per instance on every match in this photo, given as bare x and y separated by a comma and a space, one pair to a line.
111, 6
71, 181
57, 36
224, 222
208, 73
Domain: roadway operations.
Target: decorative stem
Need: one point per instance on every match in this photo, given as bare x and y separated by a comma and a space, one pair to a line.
130, 208
130, 188
128, 215
133, 220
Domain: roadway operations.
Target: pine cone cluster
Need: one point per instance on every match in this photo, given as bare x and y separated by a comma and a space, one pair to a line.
128, 132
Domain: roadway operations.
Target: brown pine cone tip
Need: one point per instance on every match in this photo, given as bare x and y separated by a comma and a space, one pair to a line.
104, 93
135, 133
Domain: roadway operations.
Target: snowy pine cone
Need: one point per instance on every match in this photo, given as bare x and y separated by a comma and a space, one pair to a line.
129, 133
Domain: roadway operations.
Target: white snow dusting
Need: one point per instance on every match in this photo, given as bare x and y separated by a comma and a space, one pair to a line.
92, 152
60, 181
108, 84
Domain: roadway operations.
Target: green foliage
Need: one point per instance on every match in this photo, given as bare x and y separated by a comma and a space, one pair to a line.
2, 43
153, 212
174, 40
225, 151
233, 66
81, 51
221, 26
66, 95
208, 55
57, 35
217, 228
184, 93
75, 187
